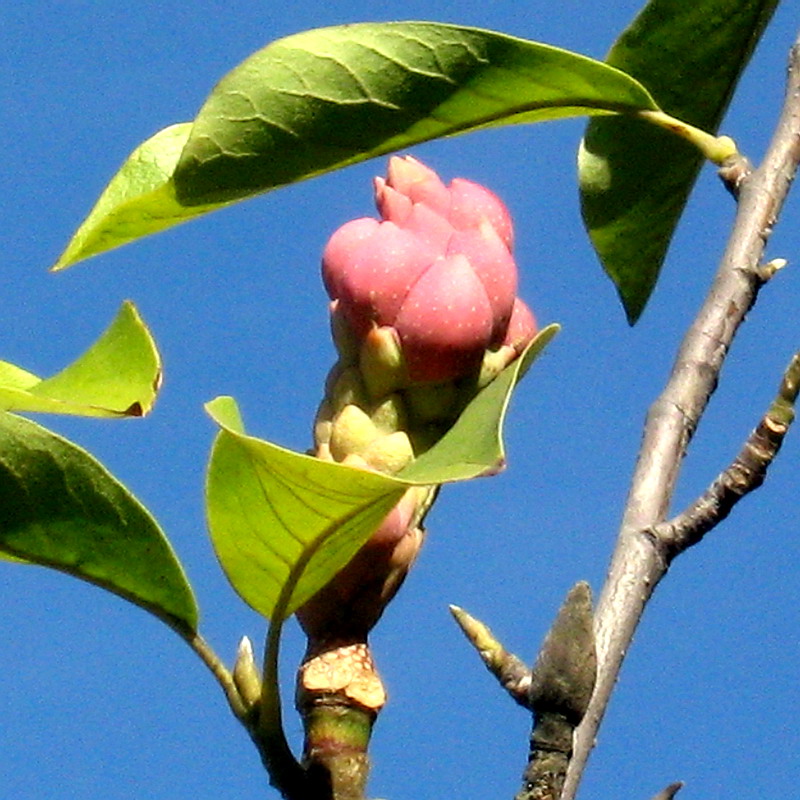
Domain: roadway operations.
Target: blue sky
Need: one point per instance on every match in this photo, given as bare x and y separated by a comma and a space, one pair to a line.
101, 701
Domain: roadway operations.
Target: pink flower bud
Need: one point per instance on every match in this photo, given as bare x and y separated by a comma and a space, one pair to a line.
437, 268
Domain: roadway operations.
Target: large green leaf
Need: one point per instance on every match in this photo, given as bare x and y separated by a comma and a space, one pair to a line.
139, 200
334, 96
60, 508
283, 524
326, 98
635, 178
272, 511
119, 375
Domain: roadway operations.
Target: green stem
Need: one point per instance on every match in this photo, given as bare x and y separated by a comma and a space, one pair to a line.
215, 666
339, 695
286, 774
717, 149
337, 737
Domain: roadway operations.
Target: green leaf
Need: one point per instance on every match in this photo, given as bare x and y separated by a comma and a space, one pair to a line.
326, 98
283, 524
635, 178
117, 376
329, 97
474, 446
60, 508
139, 200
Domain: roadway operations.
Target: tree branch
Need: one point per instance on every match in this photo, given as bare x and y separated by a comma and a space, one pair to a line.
744, 475
638, 563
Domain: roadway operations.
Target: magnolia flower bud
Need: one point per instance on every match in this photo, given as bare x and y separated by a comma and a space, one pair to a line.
437, 270
424, 314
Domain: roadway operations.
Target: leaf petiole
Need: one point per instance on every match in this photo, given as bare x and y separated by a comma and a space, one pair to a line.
717, 149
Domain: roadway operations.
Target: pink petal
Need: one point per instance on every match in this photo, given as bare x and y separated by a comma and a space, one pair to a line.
370, 268
419, 183
522, 326
495, 268
392, 205
471, 202
339, 250
445, 323
432, 228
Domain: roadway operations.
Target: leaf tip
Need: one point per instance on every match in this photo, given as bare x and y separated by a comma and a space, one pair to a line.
225, 412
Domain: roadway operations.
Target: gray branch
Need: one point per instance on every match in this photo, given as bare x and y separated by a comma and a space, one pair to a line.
639, 563
744, 475
669, 792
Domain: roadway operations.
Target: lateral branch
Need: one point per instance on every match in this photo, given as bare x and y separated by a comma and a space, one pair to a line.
746, 473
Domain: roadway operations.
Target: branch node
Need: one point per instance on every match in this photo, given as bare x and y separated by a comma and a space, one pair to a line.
745, 474
734, 171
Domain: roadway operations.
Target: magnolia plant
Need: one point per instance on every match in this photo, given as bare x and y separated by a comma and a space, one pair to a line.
424, 315
431, 340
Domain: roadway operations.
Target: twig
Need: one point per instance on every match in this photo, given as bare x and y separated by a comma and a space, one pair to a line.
744, 475
669, 792
243, 698
562, 680
215, 666
637, 564
513, 674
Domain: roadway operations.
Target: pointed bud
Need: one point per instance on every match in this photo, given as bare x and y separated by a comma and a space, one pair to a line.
418, 183
382, 363
245, 674
344, 338
494, 362
565, 671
